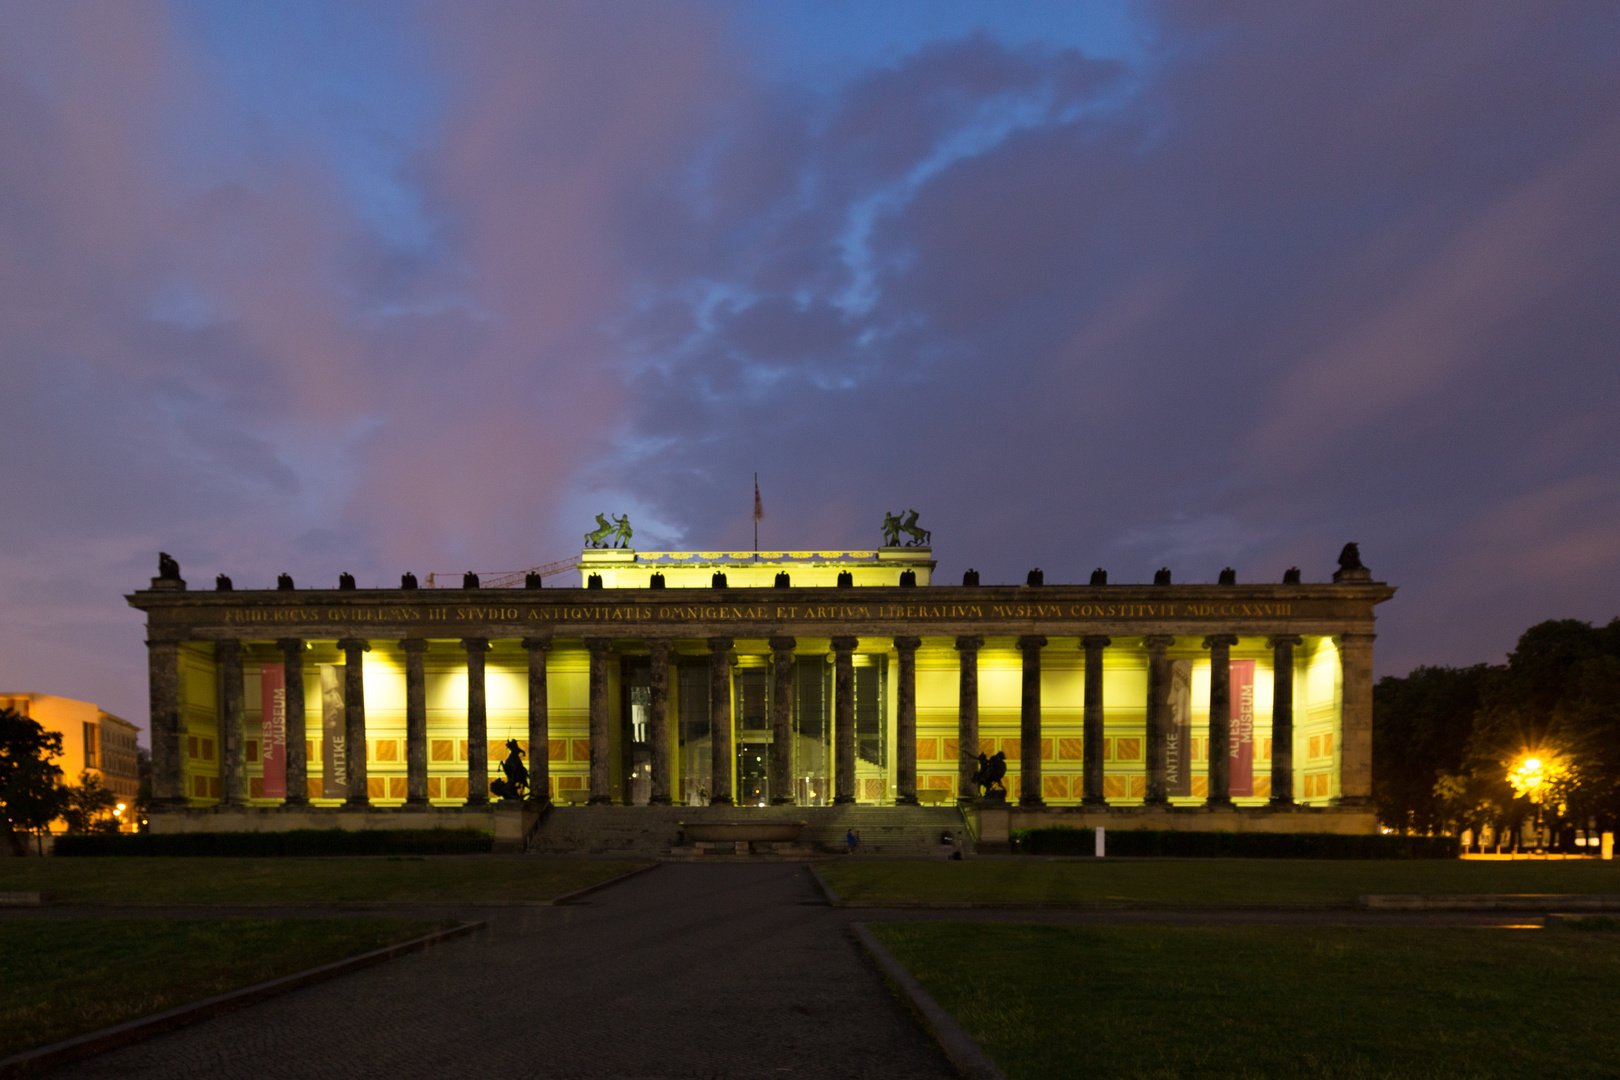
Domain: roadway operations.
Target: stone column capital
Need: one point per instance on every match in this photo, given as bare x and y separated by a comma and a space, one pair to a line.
969, 643
658, 647
1291, 641
844, 644
1157, 643
227, 647
1031, 641
598, 644
1354, 639
1218, 640
475, 644
1096, 641
783, 644
907, 644
720, 645
413, 646
537, 644
352, 644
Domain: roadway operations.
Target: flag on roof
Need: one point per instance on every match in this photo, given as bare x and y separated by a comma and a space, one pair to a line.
759, 507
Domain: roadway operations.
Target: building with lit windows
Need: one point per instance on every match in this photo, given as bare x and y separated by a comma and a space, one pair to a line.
743, 682
93, 741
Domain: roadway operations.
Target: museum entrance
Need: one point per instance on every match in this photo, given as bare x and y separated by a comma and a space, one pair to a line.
754, 736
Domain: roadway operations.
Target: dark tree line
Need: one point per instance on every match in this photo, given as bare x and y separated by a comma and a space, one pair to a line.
1450, 745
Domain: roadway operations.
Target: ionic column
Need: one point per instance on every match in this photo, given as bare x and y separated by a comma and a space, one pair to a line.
1220, 718
601, 778
844, 718
1158, 718
292, 673
658, 682
416, 748
163, 690
540, 722
1029, 765
1282, 719
354, 720
1355, 722
723, 758
232, 760
1092, 734
782, 721
967, 717
906, 722
477, 723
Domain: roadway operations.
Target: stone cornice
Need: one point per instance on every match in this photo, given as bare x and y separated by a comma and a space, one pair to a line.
932, 611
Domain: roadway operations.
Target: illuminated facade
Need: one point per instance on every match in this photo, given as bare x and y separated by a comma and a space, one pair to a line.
93, 741
787, 678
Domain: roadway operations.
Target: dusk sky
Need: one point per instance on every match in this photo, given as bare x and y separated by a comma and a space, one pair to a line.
318, 287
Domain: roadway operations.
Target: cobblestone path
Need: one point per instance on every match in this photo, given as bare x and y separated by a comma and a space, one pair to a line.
731, 971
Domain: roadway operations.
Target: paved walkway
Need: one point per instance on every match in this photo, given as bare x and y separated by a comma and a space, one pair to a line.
689, 971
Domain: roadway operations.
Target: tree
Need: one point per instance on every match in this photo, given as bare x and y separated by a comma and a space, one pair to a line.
30, 795
1535, 738
1557, 701
1421, 726
88, 807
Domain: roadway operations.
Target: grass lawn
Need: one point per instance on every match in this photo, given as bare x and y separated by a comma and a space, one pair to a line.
269, 881
65, 977
1183, 1003
1203, 881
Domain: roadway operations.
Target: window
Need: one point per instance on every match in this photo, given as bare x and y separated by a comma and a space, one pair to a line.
92, 747
870, 744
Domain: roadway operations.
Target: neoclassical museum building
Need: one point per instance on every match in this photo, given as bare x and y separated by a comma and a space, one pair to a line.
788, 680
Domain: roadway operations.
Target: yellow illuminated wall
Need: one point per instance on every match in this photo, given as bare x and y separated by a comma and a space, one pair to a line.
625, 569
199, 727
1317, 697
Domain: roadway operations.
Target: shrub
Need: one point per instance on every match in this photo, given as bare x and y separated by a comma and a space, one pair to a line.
295, 842
1234, 845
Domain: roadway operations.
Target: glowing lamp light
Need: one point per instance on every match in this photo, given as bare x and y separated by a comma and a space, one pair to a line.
1532, 776
1527, 778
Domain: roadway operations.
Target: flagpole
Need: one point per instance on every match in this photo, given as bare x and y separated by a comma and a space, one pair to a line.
756, 517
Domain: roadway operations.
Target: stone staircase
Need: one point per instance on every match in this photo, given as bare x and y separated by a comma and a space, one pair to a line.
913, 831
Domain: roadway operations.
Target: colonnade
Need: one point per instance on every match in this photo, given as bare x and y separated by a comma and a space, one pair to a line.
1356, 730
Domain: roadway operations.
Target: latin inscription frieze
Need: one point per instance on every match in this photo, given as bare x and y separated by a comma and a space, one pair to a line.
748, 613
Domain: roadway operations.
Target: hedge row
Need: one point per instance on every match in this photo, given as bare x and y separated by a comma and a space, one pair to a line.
296, 842
1234, 845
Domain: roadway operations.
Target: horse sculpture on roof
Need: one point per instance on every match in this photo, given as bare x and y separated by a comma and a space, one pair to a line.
894, 525
611, 532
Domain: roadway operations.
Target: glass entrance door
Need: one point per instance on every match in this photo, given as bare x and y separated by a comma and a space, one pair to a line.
754, 736
812, 733
753, 775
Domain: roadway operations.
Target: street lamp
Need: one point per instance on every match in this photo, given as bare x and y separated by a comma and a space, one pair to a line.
1532, 777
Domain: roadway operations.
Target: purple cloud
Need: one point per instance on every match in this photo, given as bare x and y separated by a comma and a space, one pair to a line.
1280, 281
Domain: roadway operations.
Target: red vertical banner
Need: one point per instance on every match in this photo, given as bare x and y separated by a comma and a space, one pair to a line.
1242, 740
273, 748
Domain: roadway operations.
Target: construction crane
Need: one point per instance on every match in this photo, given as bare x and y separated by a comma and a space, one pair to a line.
503, 579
